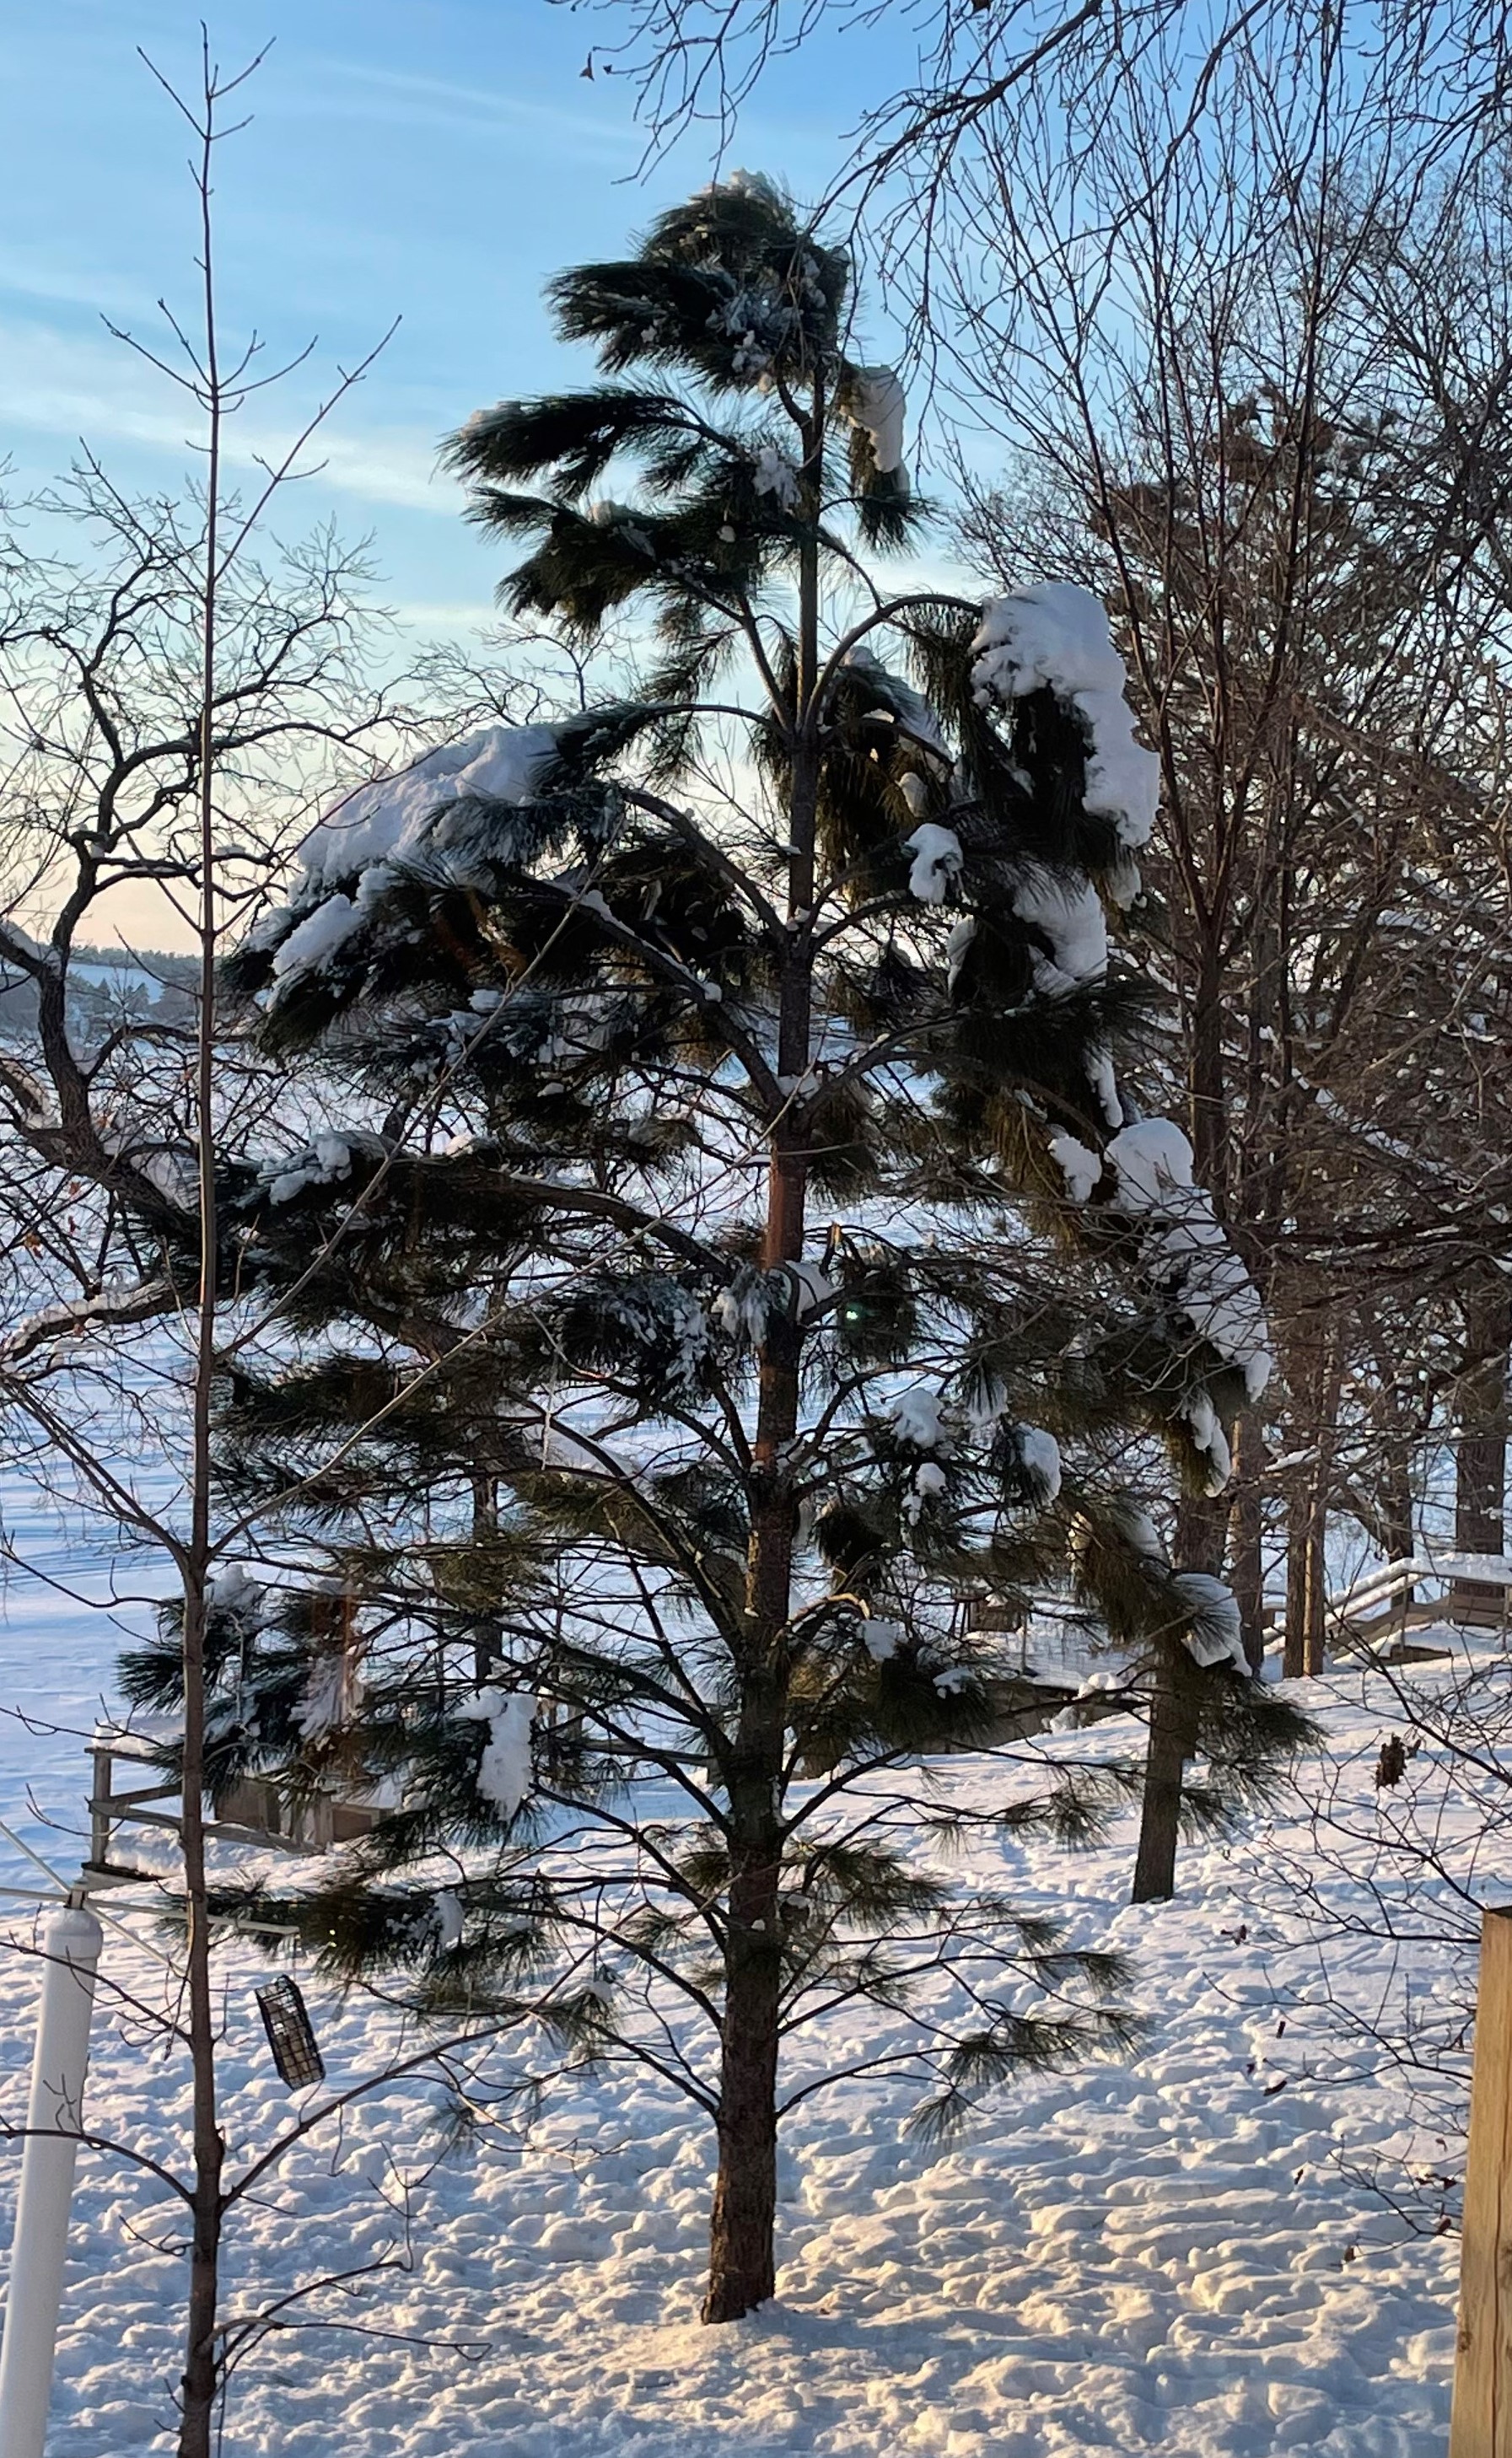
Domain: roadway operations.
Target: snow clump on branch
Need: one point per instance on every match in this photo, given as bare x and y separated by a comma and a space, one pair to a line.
916, 1419
937, 863
1185, 1246
776, 476
498, 764
1078, 1163
504, 1770
1214, 1636
367, 830
1070, 916
1040, 1458
1058, 634
878, 406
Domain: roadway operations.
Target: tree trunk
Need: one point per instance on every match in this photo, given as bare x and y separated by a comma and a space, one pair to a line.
201, 2353
1318, 1391
1247, 1573
1480, 1433
1299, 1522
743, 2221
1315, 1611
1200, 1522
1398, 1540
1172, 1735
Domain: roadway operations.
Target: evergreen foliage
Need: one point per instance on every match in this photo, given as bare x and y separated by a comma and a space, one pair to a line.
694, 1329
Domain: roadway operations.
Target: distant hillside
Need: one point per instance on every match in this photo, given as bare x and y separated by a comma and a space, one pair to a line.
106, 984
157, 962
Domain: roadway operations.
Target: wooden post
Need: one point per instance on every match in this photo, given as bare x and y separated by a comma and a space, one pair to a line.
1480, 2425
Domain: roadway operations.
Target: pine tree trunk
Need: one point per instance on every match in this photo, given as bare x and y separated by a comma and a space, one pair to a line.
742, 2220
1199, 1521
1172, 1732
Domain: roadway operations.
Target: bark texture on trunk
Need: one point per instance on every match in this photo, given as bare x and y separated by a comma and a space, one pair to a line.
1172, 1734
1480, 1431
743, 2221
1200, 1524
1299, 1517
1245, 1537
1315, 1632
1317, 1383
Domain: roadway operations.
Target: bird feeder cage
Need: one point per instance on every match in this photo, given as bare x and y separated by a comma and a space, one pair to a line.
287, 2024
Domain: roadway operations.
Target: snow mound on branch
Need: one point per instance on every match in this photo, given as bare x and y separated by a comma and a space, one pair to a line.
327, 1161
1070, 915
878, 406
1078, 1163
344, 858
916, 1419
504, 1770
498, 764
742, 1310
810, 1288
1214, 1636
1039, 1456
930, 1481
1138, 1529
956, 948
937, 863
317, 937
323, 1698
1104, 1084
1056, 633
1208, 1435
1187, 1249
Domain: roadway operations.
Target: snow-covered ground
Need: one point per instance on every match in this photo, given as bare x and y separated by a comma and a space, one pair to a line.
1180, 2251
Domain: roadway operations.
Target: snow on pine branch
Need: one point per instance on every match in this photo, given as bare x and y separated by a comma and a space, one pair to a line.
346, 860
937, 863
1071, 917
877, 404
1186, 1247
1186, 1253
498, 764
1055, 634
504, 1770
1058, 634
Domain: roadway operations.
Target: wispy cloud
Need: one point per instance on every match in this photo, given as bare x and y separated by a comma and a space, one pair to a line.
463, 620
406, 95
75, 388
27, 277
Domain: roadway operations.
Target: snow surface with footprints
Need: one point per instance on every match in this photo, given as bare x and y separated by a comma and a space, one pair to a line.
1173, 2252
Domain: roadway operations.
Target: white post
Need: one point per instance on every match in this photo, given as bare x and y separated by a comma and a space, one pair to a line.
72, 1944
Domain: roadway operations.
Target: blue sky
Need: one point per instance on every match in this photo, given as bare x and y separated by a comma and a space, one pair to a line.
433, 159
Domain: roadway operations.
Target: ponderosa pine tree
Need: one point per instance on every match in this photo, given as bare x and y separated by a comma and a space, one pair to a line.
748, 1257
